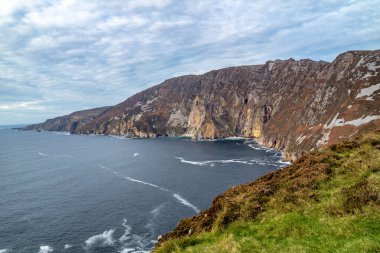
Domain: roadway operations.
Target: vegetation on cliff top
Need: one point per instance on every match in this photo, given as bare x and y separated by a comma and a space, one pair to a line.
327, 201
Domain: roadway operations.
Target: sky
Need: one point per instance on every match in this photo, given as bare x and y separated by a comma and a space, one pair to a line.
61, 56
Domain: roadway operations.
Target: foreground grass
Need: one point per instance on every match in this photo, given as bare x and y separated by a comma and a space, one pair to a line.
327, 201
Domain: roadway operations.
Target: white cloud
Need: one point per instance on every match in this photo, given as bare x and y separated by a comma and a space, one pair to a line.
120, 21
130, 5
64, 13
8, 8
72, 54
32, 105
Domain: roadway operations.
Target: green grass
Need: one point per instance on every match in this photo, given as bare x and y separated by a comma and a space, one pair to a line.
328, 201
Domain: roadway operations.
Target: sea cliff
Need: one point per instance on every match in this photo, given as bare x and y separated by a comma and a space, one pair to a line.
295, 106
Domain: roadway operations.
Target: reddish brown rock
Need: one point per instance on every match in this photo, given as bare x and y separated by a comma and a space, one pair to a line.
291, 105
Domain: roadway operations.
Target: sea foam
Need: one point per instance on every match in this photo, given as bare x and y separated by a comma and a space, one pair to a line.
45, 249
212, 162
99, 241
127, 231
183, 201
67, 246
133, 242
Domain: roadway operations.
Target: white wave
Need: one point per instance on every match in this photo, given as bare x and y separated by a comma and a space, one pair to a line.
43, 154
193, 162
133, 250
118, 136
136, 154
132, 179
175, 195
284, 162
127, 250
233, 138
134, 243
69, 156
45, 249
62, 133
3, 250
67, 246
103, 167
212, 162
256, 147
102, 240
127, 231
146, 183
183, 201
157, 210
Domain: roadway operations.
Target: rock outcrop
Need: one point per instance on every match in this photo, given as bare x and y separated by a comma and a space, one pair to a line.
291, 105
68, 123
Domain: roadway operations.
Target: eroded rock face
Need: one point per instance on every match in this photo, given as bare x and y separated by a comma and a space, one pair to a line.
291, 105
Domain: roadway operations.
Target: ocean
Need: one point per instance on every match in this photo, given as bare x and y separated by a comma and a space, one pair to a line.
85, 193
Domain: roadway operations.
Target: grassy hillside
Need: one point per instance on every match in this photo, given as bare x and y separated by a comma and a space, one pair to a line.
327, 201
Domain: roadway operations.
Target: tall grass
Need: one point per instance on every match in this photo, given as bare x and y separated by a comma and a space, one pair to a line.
327, 201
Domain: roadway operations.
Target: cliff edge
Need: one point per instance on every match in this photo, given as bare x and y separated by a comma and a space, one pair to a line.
327, 201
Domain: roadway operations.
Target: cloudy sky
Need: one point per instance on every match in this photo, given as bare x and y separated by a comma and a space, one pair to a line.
60, 56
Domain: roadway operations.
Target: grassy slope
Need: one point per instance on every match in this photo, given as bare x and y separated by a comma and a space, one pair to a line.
327, 201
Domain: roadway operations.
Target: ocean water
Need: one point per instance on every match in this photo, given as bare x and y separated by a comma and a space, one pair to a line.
83, 193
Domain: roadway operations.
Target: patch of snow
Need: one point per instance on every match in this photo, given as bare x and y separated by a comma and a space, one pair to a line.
363, 120
368, 92
335, 122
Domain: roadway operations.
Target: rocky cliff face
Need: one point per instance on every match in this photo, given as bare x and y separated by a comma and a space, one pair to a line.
290, 105
69, 122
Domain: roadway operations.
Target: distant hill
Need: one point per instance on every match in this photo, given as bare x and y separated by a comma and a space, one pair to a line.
295, 106
68, 123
